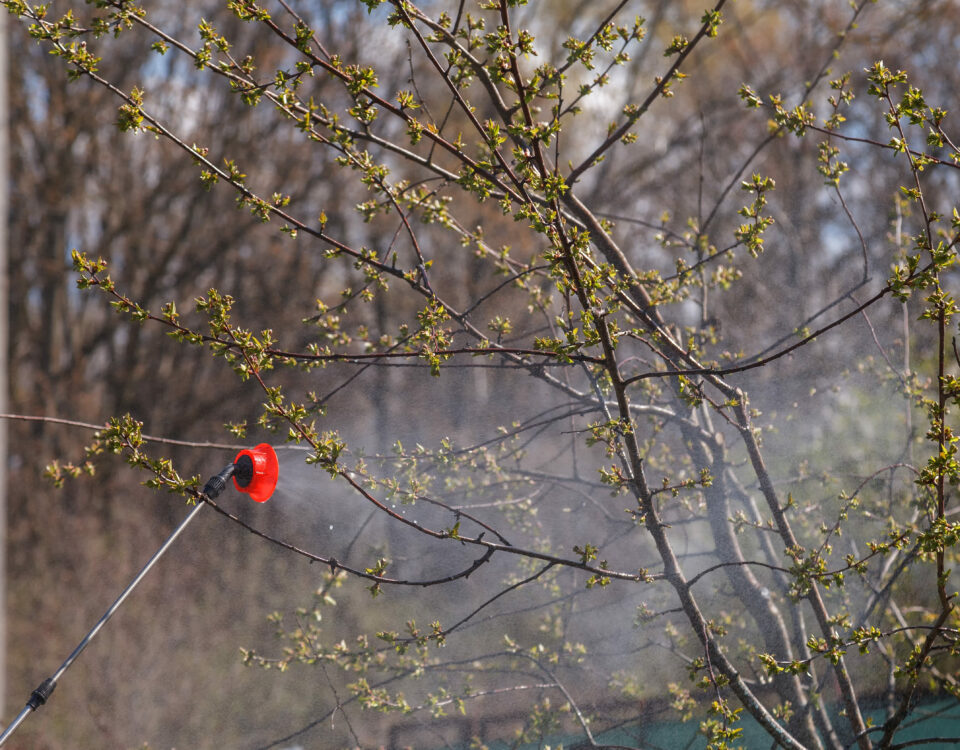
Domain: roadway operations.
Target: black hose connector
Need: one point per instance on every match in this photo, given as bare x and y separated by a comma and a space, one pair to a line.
39, 696
215, 485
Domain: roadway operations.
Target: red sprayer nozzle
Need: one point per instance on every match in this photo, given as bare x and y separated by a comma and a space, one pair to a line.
256, 471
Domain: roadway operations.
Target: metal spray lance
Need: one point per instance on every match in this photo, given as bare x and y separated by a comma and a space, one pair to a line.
254, 471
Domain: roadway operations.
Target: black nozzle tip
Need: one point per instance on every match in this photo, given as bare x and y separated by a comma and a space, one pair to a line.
243, 471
